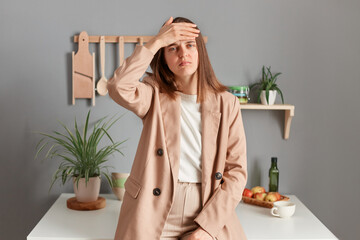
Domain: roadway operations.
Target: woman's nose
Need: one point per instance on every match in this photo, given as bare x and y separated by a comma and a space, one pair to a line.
182, 51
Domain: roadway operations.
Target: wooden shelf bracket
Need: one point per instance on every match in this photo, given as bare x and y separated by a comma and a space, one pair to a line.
289, 113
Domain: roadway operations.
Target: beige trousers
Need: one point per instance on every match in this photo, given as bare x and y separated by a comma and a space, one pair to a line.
187, 205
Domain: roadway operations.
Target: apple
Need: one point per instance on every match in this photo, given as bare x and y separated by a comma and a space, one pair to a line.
278, 196
247, 193
260, 196
271, 197
258, 189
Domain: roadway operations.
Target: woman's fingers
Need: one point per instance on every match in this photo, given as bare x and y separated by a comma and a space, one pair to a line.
188, 34
185, 31
186, 26
168, 22
182, 27
192, 30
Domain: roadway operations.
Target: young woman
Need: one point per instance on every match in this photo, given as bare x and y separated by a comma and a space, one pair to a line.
189, 170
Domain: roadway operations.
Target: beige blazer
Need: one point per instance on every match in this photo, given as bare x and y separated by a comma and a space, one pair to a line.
150, 186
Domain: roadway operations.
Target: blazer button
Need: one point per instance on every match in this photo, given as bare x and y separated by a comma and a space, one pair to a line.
156, 191
218, 175
160, 152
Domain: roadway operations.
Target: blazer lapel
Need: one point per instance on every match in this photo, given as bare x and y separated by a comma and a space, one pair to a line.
210, 120
170, 111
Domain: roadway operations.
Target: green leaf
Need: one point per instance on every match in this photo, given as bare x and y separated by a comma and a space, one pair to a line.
38, 144
275, 76
78, 138
108, 179
259, 97
72, 138
267, 95
269, 72
279, 91
64, 176
263, 73
107, 134
86, 127
67, 159
41, 148
77, 179
49, 151
62, 135
54, 178
86, 176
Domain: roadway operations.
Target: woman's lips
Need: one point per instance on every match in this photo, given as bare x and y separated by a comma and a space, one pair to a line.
184, 63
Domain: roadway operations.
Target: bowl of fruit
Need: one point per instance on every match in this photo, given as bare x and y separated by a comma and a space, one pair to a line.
258, 196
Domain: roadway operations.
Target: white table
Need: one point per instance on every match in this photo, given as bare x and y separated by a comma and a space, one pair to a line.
61, 223
258, 223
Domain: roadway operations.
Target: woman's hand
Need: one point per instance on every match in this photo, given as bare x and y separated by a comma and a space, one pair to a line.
200, 234
172, 32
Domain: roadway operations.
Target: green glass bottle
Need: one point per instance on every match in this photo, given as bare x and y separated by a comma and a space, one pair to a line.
273, 176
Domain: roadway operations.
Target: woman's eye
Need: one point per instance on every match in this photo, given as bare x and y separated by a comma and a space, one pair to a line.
172, 49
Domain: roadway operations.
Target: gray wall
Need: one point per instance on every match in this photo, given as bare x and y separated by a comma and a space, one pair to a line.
316, 44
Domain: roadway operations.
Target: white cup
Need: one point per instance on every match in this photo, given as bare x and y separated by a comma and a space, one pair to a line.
283, 209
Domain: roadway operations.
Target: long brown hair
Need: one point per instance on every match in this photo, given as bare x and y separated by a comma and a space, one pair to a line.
165, 78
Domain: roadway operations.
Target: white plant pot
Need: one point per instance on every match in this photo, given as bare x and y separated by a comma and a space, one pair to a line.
87, 192
272, 97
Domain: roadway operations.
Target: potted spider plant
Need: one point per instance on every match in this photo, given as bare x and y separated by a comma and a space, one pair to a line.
267, 87
82, 160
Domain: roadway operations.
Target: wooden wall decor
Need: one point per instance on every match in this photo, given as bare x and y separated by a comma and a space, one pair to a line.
101, 86
115, 39
83, 63
83, 71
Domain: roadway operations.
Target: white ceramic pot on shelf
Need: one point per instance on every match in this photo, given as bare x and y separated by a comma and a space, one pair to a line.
272, 97
87, 192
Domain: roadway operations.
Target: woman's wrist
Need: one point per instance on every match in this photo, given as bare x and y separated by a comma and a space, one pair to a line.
153, 45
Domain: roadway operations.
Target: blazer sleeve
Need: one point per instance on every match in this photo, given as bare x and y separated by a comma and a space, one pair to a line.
227, 196
126, 89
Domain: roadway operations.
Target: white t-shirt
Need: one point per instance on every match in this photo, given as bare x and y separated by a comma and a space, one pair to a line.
190, 140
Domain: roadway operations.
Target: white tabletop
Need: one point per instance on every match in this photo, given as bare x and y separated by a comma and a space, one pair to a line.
258, 223
61, 223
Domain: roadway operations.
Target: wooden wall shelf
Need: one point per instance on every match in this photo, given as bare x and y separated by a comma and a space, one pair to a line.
115, 39
289, 113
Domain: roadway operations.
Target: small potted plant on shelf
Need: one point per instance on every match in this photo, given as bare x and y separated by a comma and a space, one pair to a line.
81, 158
267, 87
